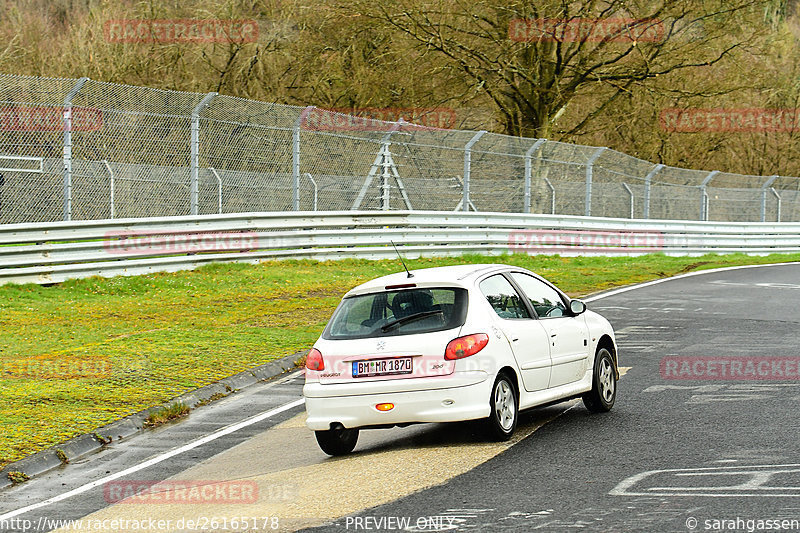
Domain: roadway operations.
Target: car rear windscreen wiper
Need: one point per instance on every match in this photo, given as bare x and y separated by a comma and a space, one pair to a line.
410, 318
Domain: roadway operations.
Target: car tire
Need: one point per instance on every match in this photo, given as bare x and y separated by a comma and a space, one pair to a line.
504, 409
604, 384
337, 441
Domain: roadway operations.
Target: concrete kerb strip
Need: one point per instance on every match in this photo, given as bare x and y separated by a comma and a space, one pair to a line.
77, 447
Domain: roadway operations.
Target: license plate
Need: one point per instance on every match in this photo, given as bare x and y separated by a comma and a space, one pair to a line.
382, 367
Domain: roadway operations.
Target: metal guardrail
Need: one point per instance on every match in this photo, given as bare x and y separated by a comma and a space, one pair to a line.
57, 251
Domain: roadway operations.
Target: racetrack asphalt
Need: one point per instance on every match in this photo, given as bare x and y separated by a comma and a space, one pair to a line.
675, 454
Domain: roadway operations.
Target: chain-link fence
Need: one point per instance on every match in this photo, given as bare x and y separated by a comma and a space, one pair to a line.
73, 149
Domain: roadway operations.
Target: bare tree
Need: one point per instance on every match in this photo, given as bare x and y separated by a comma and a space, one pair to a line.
533, 58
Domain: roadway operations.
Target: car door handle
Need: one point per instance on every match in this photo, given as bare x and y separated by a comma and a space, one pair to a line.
553, 334
515, 340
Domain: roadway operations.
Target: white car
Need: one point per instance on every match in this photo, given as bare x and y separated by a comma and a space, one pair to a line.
451, 344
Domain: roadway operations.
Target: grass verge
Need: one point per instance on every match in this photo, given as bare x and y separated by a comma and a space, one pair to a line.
161, 415
80, 354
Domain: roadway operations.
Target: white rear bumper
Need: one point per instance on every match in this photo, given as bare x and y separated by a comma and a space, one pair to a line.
468, 401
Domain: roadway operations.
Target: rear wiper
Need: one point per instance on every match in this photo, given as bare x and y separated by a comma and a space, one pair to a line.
410, 318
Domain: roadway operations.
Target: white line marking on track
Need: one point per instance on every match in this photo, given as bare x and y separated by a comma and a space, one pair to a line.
651, 483
157, 459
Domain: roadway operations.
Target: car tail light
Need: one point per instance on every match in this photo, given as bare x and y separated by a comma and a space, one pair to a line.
466, 346
314, 360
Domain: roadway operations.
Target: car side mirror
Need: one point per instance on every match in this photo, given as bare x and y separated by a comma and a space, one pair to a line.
577, 307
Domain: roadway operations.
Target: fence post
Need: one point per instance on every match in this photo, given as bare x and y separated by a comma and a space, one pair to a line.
647, 180
468, 167
704, 195
111, 186
589, 173
552, 196
528, 169
296, 157
630, 193
219, 189
68, 147
194, 148
778, 198
378, 163
316, 189
385, 175
764, 196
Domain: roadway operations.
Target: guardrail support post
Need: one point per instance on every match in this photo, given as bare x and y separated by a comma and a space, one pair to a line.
704, 195
194, 185
630, 193
296, 157
468, 167
68, 147
552, 196
111, 186
647, 181
589, 176
764, 196
528, 169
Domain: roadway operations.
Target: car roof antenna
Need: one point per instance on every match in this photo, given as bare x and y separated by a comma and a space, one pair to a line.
410, 275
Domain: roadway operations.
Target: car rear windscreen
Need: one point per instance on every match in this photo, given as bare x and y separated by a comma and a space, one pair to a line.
406, 312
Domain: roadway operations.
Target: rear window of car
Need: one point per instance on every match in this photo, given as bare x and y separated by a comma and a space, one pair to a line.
406, 312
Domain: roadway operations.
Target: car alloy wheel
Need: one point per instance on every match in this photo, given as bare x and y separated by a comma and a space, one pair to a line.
504, 412
604, 384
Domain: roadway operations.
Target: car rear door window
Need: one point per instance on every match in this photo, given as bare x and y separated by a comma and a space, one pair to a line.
546, 301
503, 297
